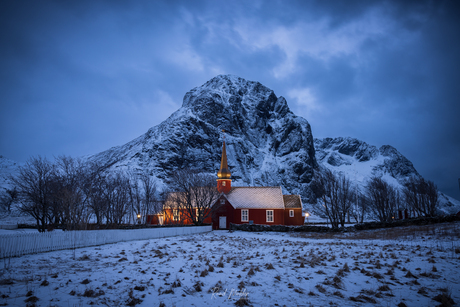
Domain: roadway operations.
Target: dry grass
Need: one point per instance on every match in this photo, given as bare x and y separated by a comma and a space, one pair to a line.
363, 299
440, 230
445, 299
320, 288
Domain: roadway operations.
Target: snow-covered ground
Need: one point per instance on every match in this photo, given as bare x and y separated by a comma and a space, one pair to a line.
375, 268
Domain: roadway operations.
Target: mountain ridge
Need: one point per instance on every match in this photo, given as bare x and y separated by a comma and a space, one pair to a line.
267, 144
261, 132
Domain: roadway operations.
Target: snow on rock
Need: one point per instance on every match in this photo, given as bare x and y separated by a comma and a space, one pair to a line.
360, 161
266, 143
7, 168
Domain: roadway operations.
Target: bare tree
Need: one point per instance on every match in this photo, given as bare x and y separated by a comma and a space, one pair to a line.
150, 203
345, 197
384, 199
34, 185
68, 195
360, 208
9, 198
333, 194
135, 198
422, 196
116, 193
94, 189
193, 192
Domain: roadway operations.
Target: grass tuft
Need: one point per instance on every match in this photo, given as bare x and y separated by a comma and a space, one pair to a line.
445, 299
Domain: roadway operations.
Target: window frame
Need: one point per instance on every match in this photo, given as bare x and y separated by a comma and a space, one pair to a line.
269, 214
247, 215
291, 213
222, 201
176, 215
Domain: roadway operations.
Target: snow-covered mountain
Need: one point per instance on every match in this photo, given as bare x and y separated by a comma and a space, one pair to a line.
360, 161
7, 167
267, 144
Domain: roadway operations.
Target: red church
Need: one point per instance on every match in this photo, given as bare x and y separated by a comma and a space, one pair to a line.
252, 205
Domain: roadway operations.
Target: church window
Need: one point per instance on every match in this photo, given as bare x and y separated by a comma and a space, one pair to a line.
176, 215
244, 215
291, 213
269, 215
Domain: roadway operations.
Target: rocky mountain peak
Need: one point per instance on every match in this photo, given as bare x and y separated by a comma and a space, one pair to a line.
266, 143
231, 95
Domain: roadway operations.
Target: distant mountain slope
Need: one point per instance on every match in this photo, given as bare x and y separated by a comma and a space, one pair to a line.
360, 161
7, 167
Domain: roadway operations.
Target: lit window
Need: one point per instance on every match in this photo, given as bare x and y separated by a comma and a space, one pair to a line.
222, 201
176, 215
291, 213
223, 183
244, 215
269, 215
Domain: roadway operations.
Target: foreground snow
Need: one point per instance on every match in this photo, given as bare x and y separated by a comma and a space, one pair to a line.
375, 268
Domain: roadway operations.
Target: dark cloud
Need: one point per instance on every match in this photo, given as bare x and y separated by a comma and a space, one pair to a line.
77, 77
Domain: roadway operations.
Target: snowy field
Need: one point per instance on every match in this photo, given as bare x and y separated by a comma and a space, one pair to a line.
410, 265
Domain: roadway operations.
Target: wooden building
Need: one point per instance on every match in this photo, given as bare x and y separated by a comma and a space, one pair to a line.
252, 205
237, 205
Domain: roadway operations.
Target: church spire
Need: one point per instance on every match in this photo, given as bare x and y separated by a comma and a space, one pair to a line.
223, 172
223, 175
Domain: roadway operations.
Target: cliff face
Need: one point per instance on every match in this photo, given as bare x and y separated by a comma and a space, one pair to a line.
266, 143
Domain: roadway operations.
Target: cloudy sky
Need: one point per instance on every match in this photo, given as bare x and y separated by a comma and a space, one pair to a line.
78, 77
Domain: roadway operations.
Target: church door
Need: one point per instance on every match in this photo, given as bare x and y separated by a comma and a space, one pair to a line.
222, 222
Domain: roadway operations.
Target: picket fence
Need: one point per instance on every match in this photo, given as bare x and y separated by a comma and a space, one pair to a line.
13, 245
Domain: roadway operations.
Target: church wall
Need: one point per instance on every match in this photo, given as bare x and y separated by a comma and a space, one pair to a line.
218, 210
259, 216
296, 220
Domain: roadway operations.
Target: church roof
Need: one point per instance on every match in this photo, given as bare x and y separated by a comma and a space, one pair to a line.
292, 201
256, 198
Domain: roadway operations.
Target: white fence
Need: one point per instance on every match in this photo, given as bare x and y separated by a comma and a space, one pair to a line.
12, 245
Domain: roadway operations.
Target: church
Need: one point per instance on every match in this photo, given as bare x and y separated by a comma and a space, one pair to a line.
252, 205
239, 205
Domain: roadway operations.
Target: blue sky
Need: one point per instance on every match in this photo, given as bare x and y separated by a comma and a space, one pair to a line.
78, 77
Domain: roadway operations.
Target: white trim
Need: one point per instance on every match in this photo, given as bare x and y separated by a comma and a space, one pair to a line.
269, 217
291, 213
176, 215
247, 215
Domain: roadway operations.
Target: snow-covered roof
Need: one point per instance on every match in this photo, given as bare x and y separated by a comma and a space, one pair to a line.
256, 198
292, 201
